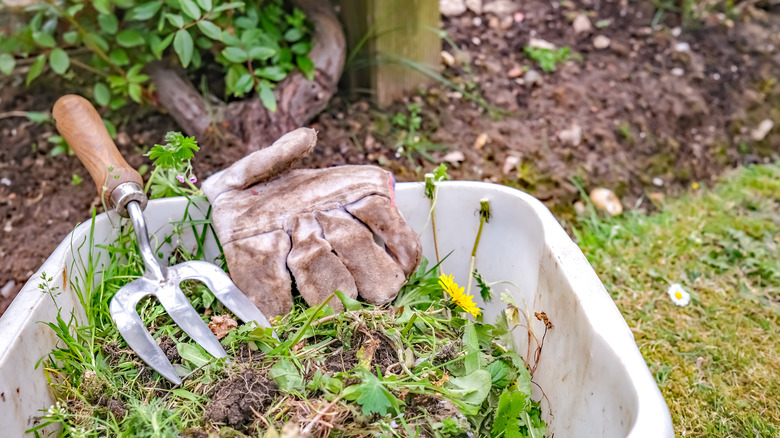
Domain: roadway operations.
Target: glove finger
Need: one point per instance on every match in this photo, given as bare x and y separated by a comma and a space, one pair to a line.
318, 272
258, 268
385, 221
377, 277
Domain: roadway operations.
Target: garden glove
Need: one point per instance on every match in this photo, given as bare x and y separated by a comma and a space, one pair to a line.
335, 229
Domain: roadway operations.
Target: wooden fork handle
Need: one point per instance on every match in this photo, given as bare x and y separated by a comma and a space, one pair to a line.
81, 126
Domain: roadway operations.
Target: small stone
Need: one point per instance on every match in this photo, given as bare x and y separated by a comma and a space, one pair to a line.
452, 8
762, 130
477, 21
657, 197
476, 41
518, 17
581, 24
532, 77
6, 290
515, 72
579, 207
5, 182
447, 58
463, 57
510, 164
541, 44
571, 136
480, 142
454, 157
677, 71
682, 47
493, 23
605, 199
8, 227
601, 42
501, 7
475, 6
123, 139
676, 32
658, 182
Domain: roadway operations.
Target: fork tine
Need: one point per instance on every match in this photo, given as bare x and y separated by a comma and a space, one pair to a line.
181, 311
223, 288
132, 329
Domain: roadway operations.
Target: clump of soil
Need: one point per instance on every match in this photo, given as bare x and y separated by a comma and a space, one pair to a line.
168, 346
237, 400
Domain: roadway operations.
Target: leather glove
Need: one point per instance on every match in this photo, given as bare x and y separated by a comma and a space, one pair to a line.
332, 229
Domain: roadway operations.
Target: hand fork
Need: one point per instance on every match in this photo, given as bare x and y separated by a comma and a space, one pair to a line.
120, 187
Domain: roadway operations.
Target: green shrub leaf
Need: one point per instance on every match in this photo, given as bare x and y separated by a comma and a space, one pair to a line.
183, 45
36, 68
210, 29
175, 19
134, 91
102, 94
7, 63
71, 37
190, 8
235, 54
205, 5
102, 6
119, 57
261, 53
267, 95
129, 38
144, 11
59, 61
43, 39
108, 23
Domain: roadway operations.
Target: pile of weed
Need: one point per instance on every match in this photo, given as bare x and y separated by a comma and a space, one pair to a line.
417, 367
715, 359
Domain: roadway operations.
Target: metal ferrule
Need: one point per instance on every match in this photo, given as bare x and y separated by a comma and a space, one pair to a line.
126, 192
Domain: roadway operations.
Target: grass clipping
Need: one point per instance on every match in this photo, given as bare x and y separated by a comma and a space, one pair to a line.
418, 367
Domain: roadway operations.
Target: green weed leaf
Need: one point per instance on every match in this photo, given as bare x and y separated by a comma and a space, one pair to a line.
349, 302
172, 154
472, 388
371, 395
287, 376
205, 5
193, 354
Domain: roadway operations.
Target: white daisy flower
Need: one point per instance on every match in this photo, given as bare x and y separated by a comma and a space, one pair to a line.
678, 295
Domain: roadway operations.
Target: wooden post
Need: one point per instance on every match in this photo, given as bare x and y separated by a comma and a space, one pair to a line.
397, 41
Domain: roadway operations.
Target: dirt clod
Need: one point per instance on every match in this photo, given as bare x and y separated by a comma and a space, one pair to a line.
168, 346
235, 401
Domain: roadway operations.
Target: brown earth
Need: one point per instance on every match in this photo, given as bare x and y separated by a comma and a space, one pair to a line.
647, 109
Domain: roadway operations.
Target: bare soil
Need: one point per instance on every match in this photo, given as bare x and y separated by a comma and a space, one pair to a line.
649, 112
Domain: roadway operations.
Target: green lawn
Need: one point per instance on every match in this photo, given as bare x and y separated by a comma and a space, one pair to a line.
716, 360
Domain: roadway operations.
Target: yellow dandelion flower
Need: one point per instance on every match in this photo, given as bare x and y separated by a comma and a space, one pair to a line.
465, 302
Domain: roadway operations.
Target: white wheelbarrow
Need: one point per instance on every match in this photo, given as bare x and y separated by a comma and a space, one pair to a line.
595, 381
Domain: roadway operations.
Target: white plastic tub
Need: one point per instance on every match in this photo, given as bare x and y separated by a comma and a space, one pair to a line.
595, 380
